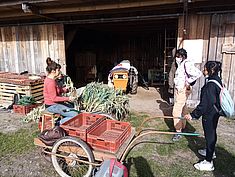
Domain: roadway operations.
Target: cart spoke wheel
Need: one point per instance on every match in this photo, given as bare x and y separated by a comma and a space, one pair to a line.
66, 155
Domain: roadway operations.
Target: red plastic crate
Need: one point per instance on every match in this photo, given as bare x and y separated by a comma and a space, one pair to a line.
21, 109
79, 125
108, 135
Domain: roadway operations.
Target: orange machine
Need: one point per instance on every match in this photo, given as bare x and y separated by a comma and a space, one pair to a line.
120, 80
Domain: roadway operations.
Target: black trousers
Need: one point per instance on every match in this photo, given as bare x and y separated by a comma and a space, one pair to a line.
209, 124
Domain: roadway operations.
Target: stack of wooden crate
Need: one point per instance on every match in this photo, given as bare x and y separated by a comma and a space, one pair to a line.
24, 85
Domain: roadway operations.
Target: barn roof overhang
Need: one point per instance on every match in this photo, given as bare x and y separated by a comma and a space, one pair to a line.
16, 12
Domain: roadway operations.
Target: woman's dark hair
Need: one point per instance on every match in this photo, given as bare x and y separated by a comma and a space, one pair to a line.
214, 68
49, 61
181, 52
59, 66
52, 66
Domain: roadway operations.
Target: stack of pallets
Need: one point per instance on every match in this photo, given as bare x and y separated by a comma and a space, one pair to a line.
24, 85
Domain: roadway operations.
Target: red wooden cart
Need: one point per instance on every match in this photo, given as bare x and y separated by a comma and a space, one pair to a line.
72, 156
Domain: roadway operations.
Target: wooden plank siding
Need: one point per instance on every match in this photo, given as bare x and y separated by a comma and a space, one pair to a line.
228, 63
215, 30
25, 48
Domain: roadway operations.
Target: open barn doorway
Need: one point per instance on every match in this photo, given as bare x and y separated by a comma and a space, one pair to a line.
92, 50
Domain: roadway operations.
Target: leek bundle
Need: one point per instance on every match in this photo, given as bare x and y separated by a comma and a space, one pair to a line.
98, 97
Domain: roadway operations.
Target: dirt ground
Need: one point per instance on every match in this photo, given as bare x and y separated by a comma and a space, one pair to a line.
149, 102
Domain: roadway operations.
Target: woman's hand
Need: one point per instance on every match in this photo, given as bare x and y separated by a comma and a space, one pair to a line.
188, 117
188, 87
65, 89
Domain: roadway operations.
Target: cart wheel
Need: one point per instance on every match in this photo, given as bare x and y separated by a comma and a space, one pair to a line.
134, 88
68, 148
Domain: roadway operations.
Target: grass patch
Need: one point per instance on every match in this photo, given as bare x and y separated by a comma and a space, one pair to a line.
136, 119
18, 142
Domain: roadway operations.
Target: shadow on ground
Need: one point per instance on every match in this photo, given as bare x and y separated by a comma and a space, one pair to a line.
141, 165
193, 142
224, 163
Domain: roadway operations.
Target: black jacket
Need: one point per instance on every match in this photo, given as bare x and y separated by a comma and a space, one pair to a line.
209, 97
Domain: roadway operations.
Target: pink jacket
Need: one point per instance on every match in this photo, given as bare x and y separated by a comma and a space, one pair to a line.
52, 92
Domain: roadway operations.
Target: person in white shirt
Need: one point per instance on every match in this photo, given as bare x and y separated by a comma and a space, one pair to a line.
185, 76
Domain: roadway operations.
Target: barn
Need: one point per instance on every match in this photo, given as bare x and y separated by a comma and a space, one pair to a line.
88, 37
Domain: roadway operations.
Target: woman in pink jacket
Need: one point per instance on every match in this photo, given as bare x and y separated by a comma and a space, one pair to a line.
53, 100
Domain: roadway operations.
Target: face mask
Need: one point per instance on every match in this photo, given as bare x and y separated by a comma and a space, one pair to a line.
178, 60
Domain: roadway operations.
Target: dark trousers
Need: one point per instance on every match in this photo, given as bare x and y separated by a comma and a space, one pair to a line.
209, 124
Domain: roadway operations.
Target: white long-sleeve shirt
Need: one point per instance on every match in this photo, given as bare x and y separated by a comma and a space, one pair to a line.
185, 74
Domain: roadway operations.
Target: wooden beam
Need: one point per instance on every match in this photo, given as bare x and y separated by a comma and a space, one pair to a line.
17, 14
14, 14
14, 3
120, 5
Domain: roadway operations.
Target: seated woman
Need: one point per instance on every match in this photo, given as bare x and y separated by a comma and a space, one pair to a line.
53, 101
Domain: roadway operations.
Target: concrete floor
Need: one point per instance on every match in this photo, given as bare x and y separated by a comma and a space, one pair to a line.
152, 101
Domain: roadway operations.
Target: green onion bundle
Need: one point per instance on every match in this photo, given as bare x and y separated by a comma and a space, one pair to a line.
98, 97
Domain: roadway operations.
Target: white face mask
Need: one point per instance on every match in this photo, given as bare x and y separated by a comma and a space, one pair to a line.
178, 60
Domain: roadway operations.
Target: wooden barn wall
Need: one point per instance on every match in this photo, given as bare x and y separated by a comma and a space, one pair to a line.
216, 30
27, 47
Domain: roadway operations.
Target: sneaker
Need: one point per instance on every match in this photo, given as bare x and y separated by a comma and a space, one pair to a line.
202, 152
204, 166
176, 137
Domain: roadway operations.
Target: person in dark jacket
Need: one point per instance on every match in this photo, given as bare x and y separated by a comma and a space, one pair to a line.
208, 109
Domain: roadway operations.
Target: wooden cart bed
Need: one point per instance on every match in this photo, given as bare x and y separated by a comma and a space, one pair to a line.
98, 154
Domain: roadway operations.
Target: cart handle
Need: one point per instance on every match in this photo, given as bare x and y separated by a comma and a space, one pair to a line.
157, 117
153, 132
168, 133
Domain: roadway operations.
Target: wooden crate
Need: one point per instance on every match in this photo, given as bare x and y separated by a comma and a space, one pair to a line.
7, 91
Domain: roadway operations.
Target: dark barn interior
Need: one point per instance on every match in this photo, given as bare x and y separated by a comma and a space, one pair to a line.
92, 50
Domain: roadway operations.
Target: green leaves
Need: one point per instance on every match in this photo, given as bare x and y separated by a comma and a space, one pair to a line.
98, 97
34, 115
26, 100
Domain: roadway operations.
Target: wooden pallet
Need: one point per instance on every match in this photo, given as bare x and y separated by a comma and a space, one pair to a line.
8, 90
